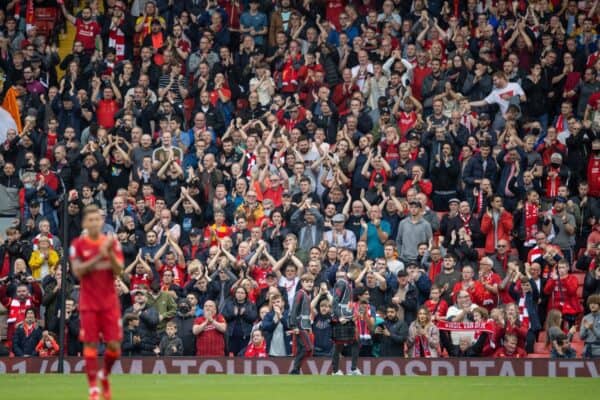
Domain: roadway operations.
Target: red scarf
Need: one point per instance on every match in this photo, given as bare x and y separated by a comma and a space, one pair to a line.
28, 328
361, 326
560, 123
5, 267
17, 310
421, 347
434, 269
466, 221
552, 184
531, 219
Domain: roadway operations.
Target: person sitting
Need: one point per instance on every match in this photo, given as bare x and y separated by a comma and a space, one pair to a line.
257, 347
510, 348
27, 336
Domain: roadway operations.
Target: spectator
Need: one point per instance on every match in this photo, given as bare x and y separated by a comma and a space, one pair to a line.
170, 344
47, 346
496, 224
239, 313
210, 332
391, 335
148, 321
423, 336
562, 289
132, 341
412, 231
589, 327
27, 336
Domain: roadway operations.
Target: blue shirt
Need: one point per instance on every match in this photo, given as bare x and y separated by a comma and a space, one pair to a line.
257, 21
374, 245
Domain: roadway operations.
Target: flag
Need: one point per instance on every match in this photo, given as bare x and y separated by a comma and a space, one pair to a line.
11, 106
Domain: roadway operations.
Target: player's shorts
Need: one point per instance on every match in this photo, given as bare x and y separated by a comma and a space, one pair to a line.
105, 325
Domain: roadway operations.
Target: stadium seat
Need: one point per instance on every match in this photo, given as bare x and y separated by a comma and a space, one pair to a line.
542, 337
480, 252
541, 348
535, 355
46, 19
580, 278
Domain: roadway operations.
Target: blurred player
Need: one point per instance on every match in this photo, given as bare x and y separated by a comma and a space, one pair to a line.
96, 259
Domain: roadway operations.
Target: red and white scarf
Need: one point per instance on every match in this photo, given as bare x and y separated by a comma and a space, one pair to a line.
17, 311
531, 219
116, 41
421, 347
523, 313
466, 221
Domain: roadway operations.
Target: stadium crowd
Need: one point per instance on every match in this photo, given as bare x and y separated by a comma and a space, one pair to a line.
441, 159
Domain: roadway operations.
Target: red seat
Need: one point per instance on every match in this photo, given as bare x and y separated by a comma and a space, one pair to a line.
46, 19
540, 348
534, 355
580, 278
578, 347
542, 337
480, 252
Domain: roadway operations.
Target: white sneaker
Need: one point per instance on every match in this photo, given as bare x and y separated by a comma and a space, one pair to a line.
355, 372
338, 373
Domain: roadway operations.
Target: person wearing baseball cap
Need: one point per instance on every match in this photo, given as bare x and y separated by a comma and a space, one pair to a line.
339, 236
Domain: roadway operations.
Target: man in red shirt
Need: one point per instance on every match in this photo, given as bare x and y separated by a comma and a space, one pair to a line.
107, 105
471, 286
87, 29
210, 331
96, 260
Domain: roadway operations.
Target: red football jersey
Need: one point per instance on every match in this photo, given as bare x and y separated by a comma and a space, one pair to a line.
98, 286
86, 33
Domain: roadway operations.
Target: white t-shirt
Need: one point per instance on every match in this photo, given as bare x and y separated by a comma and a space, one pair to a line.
502, 96
455, 336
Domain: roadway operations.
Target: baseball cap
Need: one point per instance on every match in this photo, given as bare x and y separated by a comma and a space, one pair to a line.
484, 116
454, 200
556, 156
195, 232
338, 218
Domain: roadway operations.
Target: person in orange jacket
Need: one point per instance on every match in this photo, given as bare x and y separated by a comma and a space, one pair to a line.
47, 346
496, 224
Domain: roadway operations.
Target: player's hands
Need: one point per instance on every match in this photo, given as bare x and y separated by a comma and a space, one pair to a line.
106, 247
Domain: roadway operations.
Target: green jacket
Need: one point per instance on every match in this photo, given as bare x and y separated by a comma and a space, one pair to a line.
166, 307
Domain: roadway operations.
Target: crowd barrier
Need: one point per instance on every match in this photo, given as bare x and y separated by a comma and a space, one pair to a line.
319, 366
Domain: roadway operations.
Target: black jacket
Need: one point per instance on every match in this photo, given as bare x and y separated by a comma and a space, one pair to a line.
24, 345
244, 316
129, 348
393, 345
147, 329
185, 324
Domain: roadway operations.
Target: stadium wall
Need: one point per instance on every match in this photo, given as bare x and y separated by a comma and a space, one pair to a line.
319, 366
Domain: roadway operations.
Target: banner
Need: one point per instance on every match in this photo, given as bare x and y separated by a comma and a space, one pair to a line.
465, 326
582, 368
